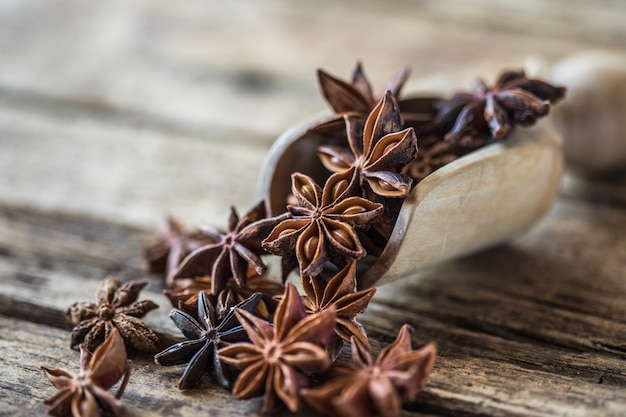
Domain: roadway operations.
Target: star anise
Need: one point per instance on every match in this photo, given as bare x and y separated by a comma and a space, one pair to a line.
275, 361
186, 296
380, 387
233, 251
322, 224
469, 119
86, 393
433, 154
357, 97
206, 336
116, 308
379, 151
339, 293
163, 254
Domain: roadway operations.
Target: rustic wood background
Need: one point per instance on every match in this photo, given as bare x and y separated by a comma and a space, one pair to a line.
114, 113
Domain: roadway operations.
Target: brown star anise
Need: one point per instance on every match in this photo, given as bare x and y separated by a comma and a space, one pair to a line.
339, 293
379, 151
233, 251
163, 254
86, 393
322, 224
469, 119
357, 97
275, 362
433, 153
380, 387
116, 308
186, 296
206, 336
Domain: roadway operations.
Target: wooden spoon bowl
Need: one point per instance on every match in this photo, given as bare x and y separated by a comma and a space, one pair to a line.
477, 201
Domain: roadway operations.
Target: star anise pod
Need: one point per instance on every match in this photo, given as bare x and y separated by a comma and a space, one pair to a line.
339, 293
322, 224
358, 98
233, 251
163, 254
116, 308
275, 361
86, 393
469, 119
206, 336
374, 387
186, 296
379, 151
433, 154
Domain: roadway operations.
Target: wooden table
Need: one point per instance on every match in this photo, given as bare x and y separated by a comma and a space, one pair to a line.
115, 113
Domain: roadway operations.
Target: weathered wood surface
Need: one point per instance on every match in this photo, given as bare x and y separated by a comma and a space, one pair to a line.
114, 113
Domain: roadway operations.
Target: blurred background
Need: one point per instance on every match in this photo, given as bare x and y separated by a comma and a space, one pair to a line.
128, 110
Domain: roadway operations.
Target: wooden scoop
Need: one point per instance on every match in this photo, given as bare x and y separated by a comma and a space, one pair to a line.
477, 201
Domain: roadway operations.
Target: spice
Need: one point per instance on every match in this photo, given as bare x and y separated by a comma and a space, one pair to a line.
206, 336
86, 393
358, 98
322, 225
379, 149
116, 308
163, 254
339, 292
233, 251
433, 154
470, 119
275, 361
370, 387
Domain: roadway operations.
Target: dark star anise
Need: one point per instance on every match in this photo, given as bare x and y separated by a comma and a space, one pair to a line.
86, 393
469, 119
116, 308
163, 254
322, 224
233, 251
186, 296
339, 293
379, 151
358, 98
206, 336
274, 363
380, 387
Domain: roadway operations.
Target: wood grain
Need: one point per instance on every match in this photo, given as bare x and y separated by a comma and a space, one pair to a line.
115, 113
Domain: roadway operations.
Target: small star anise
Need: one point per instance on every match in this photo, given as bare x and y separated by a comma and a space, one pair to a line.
368, 387
322, 224
379, 151
164, 254
186, 296
274, 362
206, 336
233, 251
357, 97
433, 153
86, 393
469, 119
339, 293
116, 308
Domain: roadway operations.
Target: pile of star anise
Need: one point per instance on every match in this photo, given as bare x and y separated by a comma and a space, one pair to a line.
260, 336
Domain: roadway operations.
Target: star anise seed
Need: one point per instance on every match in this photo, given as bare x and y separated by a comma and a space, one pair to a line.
322, 224
206, 336
86, 393
233, 251
339, 293
275, 361
469, 119
116, 308
374, 387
